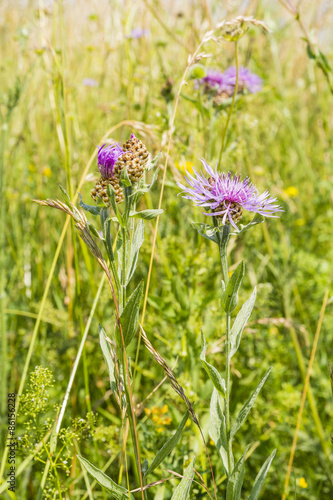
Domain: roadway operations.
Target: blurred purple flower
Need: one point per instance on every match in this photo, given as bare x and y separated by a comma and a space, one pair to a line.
89, 82
226, 196
215, 80
246, 79
106, 158
138, 33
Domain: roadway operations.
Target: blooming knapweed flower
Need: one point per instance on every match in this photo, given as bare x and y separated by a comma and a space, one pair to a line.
246, 80
214, 80
107, 156
226, 197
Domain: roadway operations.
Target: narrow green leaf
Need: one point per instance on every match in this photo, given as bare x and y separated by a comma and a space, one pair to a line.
138, 239
112, 197
207, 231
154, 162
182, 491
240, 322
129, 318
217, 428
168, 446
124, 180
248, 405
147, 214
116, 491
106, 349
108, 239
235, 481
65, 196
261, 477
89, 208
230, 297
212, 372
257, 219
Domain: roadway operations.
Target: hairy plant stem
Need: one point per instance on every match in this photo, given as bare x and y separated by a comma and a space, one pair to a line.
224, 237
122, 303
224, 134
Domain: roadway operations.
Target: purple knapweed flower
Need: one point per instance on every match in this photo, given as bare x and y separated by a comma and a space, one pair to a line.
89, 82
106, 158
214, 80
226, 196
246, 79
138, 33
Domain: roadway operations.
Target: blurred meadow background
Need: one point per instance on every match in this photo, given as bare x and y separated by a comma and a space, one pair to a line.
73, 72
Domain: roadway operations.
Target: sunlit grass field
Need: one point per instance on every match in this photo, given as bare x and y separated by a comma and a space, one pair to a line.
74, 74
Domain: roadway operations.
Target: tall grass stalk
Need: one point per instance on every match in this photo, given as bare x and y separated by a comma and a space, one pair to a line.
304, 393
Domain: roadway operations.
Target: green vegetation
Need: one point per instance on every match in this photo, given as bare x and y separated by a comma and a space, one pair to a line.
53, 293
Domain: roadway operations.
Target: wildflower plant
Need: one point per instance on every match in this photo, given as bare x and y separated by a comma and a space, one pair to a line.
223, 198
123, 172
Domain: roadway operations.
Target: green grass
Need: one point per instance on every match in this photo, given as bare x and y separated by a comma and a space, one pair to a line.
281, 137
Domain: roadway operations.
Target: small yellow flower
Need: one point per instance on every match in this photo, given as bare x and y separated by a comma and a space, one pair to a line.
47, 172
183, 166
291, 191
302, 483
300, 222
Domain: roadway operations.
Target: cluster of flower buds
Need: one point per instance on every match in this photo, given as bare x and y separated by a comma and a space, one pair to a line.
112, 159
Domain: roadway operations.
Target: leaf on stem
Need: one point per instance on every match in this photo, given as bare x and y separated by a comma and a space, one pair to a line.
93, 209
116, 491
218, 381
124, 180
182, 491
106, 349
153, 163
240, 322
235, 481
257, 219
207, 231
147, 214
230, 297
138, 239
217, 428
261, 477
248, 405
129, 318
168, 446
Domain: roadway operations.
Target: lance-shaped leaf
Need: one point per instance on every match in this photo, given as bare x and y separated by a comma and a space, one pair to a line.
207, 231
129, 318
230, 296
212, 372
116, 491
124, 180
261, 477
138, 239
108, 239
107, 356
112, 197
168, 446
182, 491
257, 219
235, 481
153, 163
240, 322
147, 214
217, 428
248, 405
89, 208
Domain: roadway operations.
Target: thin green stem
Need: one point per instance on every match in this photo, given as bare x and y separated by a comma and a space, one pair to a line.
224, 134
227, 395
